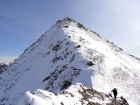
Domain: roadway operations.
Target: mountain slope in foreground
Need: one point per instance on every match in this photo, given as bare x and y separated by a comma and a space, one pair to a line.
67, 54
78, 94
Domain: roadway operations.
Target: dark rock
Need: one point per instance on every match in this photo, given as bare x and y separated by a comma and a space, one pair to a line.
65, 85
90, 63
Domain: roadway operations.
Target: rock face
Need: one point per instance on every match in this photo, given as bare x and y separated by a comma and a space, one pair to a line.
66, 54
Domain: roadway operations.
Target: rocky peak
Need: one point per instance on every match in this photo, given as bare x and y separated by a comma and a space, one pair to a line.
66, 54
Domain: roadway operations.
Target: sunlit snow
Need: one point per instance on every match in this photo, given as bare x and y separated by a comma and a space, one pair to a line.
62, 54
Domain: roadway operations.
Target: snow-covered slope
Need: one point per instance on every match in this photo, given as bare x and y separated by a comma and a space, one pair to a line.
66, 54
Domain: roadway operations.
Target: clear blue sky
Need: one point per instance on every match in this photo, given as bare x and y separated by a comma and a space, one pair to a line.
22, 22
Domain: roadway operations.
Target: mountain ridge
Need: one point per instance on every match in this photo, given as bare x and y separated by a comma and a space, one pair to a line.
66, 54
78, 94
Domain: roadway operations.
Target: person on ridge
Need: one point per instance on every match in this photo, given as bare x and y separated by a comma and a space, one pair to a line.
114, 92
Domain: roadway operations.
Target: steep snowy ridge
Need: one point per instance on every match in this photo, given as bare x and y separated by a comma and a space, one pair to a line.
67, 54
77, 94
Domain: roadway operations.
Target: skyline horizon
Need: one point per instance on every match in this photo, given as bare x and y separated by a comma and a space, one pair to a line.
11, 59
23, 22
